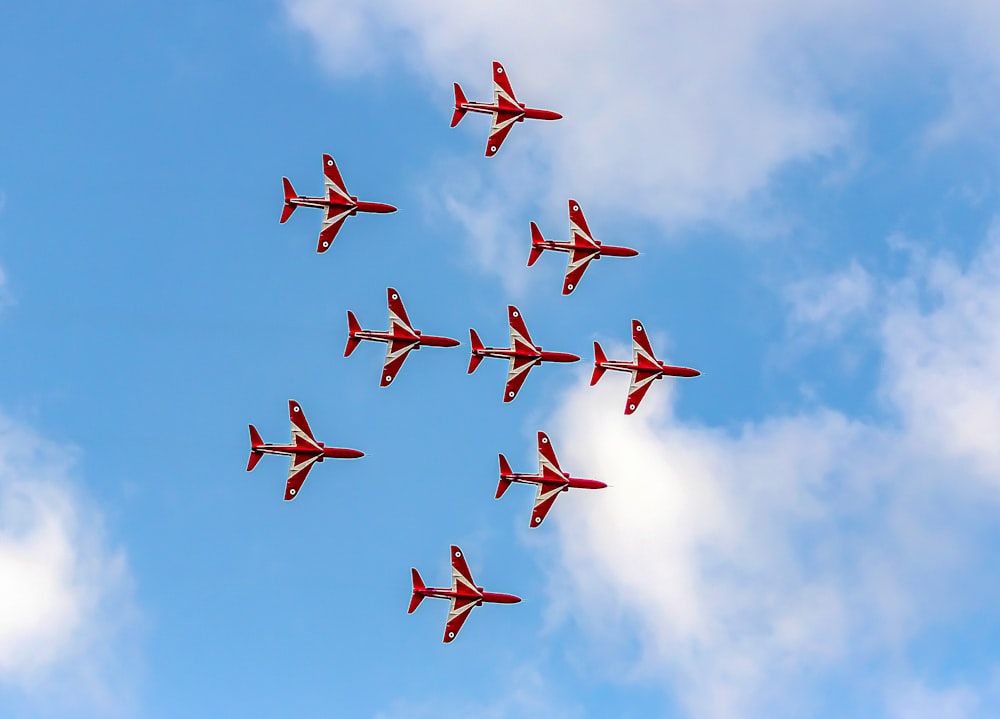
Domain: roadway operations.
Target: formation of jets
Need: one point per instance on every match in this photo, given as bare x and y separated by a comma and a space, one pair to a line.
401, 338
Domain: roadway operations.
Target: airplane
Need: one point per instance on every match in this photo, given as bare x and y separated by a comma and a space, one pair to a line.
506, 110
399, 340
645, 368
304, 451
551, 480
523, 354
338, 204
582, 247
463, 594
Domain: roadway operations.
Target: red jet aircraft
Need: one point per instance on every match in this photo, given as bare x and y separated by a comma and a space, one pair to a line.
644, 367
464, 594
506, 110
304, 451
399, 340
338, 204
522, 353
582, 247
551, 480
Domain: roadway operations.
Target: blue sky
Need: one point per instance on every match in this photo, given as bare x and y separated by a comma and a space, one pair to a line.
807, 529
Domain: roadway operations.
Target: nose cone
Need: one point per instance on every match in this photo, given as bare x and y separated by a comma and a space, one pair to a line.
342, 453
379, 207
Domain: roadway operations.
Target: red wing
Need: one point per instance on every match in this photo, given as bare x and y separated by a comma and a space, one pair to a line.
518, 372
548, 465
519, 337
501, 87
395, 355
461, 577
398, 321
544, 500
638, 388
578, 261
461, 608
333, 182
298, 470
333, 218
301, 434
498, 132
642, 353
578, 230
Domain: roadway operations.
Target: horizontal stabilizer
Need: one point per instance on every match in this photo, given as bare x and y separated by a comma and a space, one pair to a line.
288, 208
505, 471
255, 442
536, 240
477, 346
599, 359
353, 327
418, 586
459, 110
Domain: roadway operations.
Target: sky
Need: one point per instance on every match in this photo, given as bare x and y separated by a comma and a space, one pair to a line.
809, 528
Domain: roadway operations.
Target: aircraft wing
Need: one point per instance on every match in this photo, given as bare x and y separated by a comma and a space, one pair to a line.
461, 577
519, 337
399, 323
333, 183
518, 372
333, 218
548, 465
642, 353
298, 470
301, 434
579, 233
578, 261
503, 93
499, 129
544, 499
395, 355
459, 611
641, 380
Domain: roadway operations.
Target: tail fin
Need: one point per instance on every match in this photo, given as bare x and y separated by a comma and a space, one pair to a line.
289, 208
459, 110
353, 327
255, 442
477, 345
418, 585
599, 358
505, 471
536, 241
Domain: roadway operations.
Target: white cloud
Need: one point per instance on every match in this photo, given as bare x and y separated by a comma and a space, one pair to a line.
825, 305
66, 595
748, 566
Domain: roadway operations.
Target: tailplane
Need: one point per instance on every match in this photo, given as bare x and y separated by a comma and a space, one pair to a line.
418, 586
353, 327
505, 471
289, 208
599, 359
255, 443
459, 110
477, 346
536, 244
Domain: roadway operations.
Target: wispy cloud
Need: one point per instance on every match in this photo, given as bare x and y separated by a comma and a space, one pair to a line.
66, 608
749, 566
